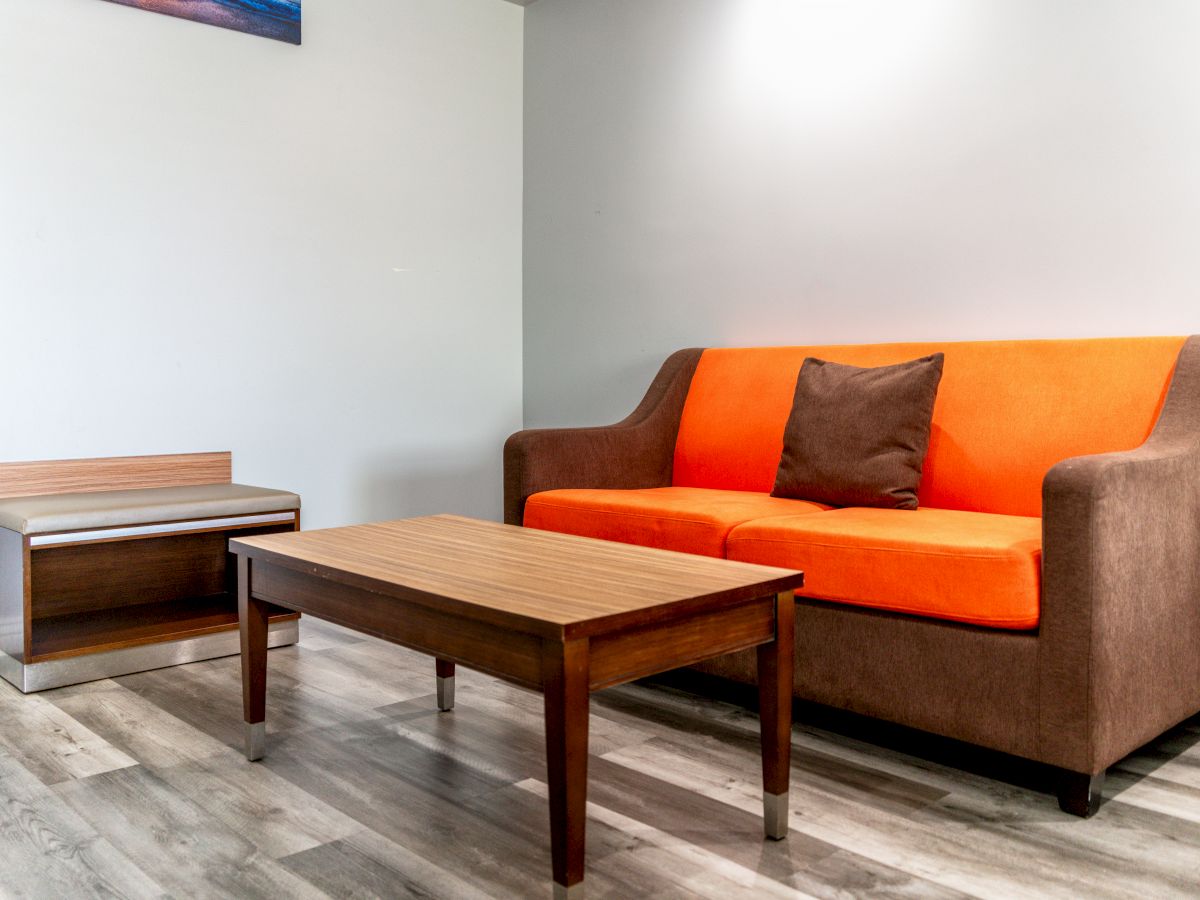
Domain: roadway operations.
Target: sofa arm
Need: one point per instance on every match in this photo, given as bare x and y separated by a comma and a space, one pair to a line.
1119, 641
637, 452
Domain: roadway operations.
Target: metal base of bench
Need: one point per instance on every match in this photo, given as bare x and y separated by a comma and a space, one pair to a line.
55, 673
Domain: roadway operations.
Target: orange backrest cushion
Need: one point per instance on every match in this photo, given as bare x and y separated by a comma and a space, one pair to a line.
1006, 412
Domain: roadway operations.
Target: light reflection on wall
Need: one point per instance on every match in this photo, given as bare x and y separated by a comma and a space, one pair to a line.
840, 62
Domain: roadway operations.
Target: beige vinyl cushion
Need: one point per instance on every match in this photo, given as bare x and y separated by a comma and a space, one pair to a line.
43, 513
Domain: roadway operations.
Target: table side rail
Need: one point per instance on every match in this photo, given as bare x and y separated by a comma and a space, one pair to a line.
640, 652
507, 654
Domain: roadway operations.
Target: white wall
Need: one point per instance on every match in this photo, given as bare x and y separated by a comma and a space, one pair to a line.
309, 256
725, 172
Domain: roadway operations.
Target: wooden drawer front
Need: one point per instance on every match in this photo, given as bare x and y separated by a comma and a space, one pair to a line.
623, 657
496, 651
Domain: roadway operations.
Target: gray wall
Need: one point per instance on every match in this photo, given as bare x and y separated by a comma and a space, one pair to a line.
307, 255
728, 172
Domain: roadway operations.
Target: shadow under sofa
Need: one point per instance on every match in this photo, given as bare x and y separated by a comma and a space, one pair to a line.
1044, 601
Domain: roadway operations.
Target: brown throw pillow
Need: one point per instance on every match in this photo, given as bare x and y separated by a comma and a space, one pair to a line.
858, 437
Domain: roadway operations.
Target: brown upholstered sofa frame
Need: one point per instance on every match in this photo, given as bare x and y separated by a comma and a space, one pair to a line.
1114, 662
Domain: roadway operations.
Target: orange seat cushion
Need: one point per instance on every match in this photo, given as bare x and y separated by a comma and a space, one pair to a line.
691, 520
1006, 412
980, 568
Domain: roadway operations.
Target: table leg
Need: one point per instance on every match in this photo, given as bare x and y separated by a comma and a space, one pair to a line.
775, 665
252, 616
445, 684
565, 682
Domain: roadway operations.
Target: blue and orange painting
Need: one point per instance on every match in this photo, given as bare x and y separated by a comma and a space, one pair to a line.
278, 19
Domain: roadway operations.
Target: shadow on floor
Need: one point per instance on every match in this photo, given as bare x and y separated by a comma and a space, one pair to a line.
1014, 770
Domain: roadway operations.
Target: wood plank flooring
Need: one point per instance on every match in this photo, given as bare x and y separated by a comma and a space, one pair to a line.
136, 787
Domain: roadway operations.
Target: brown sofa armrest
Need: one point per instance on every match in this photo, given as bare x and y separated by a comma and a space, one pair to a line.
1119, 642
637, 452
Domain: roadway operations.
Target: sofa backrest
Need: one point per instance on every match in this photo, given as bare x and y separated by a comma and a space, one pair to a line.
1006, 412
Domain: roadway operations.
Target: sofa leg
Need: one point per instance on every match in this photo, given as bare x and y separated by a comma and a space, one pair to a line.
1080, 793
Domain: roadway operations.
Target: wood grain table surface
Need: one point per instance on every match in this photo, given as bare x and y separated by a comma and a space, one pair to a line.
551, 584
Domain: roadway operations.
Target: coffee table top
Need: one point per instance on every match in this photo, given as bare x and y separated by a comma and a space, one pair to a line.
542, 582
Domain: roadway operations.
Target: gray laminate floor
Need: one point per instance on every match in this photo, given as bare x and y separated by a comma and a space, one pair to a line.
136, 787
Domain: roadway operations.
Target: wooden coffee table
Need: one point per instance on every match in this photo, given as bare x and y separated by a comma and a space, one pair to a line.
560, 614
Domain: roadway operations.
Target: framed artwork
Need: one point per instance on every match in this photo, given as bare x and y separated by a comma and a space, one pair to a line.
278, 19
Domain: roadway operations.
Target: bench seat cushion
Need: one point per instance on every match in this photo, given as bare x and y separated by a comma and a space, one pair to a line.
979, 568
45, 513
690, 520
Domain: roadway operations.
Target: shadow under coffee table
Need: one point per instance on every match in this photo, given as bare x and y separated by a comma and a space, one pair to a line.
559, 614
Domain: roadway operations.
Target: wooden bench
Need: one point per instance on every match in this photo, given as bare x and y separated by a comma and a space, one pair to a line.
117, 565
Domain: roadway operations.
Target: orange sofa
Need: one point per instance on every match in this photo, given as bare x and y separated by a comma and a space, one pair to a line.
1044, 600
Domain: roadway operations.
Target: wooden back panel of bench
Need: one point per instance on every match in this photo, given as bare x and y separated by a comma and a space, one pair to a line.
114, 473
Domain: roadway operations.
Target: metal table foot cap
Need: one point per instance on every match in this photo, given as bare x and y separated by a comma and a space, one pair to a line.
256, 740
775, 815
445, 693
574, 892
